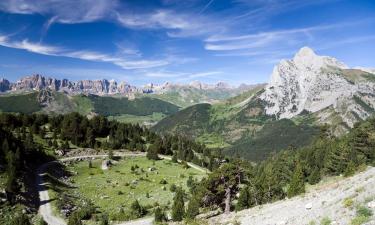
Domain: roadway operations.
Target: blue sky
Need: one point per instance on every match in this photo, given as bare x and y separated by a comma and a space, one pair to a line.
143, 41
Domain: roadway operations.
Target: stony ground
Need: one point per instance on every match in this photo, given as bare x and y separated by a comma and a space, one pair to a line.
325, 200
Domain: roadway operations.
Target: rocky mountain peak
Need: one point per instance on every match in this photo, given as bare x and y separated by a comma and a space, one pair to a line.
310, 82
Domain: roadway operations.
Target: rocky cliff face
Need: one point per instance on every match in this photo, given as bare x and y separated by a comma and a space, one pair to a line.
312, 83
38, 82
98, 87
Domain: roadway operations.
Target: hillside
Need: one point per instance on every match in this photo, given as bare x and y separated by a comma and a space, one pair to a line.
138, 110
303, 94
335, 199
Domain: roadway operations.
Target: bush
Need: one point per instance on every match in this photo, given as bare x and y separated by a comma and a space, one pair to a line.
193, 208
137, 210
20, 220
74, 219
178, 208
160, 215
364, 211
348, 202
173, 188
325, 221
163, 181
104, 219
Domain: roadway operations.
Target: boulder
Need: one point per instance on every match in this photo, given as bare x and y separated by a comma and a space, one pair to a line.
308, 206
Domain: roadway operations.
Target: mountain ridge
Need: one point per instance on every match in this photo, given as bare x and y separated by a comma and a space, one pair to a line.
303, 94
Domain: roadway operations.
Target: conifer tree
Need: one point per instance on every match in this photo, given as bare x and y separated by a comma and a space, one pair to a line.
314, 177
159, 215
193, 208
178, 208
297, 184
243, 199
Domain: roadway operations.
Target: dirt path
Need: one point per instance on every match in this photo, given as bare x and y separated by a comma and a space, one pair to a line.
45, 208
324, 200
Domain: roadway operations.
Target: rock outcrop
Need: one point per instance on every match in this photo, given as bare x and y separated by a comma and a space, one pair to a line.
312, 83
97, 87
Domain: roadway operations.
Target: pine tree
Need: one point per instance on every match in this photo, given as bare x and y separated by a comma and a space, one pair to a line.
297, 184
178, 208
159, 215
174, 157
136, 209
350, 169
110, 154
152, 153
193, 208
314, 177
243, 199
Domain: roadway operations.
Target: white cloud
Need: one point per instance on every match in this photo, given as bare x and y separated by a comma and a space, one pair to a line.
270, 38
63, 11
81, 54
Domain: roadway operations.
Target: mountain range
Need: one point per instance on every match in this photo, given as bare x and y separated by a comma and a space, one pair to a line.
303, 94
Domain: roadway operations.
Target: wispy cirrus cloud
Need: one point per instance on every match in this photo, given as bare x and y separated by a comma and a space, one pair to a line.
265, 39
81, 54
176, 23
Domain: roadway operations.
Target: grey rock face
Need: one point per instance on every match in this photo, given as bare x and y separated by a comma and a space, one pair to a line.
4, 85
38, 82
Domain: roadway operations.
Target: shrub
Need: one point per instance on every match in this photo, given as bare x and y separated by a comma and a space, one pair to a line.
163, 181
325, 221
159, 215
21, 219
364, 211
173, 188
178, 208
348, 202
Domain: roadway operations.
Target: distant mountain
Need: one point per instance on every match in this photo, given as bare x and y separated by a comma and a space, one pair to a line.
303, 94
180, 94
140, 110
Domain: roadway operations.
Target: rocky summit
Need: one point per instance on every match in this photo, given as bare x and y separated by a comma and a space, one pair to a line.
313, 83
98, 87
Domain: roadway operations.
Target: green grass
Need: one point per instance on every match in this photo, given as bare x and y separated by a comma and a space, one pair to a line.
112, 106
83, 105
115, 188
213, 140
126, 118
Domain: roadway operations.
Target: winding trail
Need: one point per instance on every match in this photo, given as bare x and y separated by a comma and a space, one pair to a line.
45, 208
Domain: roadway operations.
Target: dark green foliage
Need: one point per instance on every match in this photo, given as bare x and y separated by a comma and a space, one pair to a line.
190, 121
152, 153
110, 106
222, 184
243, 199
160, 215
193, 208
297, 184
21, 219
314, 177
42, 222
178, 208
74, 219
27, 103
273, 137
110, 154
137, 210
104, 219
